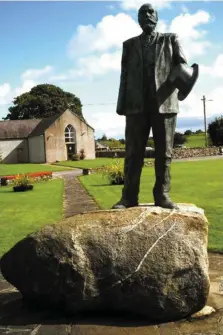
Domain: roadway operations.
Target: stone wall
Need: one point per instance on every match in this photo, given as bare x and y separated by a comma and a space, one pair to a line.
178, 153
14, 151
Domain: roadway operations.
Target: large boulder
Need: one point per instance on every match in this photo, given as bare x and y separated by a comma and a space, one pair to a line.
145, 260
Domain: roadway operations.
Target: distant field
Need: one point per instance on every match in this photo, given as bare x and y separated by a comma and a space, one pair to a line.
195, 141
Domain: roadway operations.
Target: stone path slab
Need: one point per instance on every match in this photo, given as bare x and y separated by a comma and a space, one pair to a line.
76, 199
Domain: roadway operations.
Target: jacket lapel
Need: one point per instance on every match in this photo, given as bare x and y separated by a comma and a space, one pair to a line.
137, 46
159, 46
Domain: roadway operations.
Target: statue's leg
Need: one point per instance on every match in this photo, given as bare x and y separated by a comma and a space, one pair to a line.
136, 135
163, 126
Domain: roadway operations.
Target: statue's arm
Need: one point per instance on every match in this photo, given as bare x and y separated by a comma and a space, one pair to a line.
179, 56
123, 80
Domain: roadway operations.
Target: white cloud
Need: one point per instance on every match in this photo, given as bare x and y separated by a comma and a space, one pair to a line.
193, 106
25, 87
93, 65
5, 90
97, 49
36, 73
188, 28
214, 70
29, 78
109, 33
107, 122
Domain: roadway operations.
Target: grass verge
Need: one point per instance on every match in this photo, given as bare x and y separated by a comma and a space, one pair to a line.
24, 212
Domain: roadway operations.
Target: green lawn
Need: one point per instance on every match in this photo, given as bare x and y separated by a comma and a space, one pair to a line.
23, 212
195, 141
90, 163
198, 182
10, 169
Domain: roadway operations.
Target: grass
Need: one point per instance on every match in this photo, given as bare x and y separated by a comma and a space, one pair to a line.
10, 169
90, 163
198, 182
23, 212
195, 141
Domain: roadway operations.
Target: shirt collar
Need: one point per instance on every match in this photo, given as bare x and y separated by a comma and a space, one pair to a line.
145, 36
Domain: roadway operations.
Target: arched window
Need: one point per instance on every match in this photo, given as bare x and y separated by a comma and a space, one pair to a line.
70, 134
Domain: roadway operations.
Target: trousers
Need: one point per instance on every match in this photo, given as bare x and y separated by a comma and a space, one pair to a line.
137, 131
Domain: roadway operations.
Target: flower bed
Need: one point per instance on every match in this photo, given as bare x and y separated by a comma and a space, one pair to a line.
33, 175
37, 176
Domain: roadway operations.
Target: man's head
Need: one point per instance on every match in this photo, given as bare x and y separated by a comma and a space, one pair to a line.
148, 18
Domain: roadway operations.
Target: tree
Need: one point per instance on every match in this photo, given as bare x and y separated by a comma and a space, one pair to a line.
215, 131
43, 101
188, 132
199, 131
104, 138
179, 139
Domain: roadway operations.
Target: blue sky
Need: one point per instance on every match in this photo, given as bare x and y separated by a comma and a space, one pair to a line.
77, 46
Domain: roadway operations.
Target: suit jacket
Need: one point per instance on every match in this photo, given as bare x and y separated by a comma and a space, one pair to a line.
168, 54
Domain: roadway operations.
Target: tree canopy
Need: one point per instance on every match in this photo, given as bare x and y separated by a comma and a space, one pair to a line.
43, 101
179, 139
215, 130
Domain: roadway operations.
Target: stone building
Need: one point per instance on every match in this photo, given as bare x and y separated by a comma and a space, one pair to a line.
47, 140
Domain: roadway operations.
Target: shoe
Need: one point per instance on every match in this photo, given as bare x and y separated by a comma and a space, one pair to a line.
164, 201
122, 204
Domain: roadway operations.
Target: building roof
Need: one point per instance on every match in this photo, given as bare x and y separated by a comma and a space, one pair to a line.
101, 145
15, 129
44, 125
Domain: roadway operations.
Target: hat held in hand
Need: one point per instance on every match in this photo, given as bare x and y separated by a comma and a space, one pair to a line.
183, 77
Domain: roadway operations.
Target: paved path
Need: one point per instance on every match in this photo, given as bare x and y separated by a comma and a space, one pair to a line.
76, 199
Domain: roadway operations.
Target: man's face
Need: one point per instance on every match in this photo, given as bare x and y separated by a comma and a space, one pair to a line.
147, 17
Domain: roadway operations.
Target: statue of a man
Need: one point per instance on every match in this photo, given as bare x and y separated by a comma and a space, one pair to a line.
149, 101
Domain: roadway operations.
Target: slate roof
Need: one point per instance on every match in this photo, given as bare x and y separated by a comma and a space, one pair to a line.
44, 125
15, 129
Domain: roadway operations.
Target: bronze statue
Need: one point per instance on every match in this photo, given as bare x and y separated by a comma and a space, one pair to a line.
153, 68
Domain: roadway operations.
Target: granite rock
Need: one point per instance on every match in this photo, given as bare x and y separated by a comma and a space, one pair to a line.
144, 260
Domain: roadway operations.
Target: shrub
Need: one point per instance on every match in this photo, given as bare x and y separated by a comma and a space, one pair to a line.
82, 154
179, 139
75, 157
188, 132
114, 173
215, 130
23, 180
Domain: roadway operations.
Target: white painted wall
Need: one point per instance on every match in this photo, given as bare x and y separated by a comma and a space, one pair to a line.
36, 149
14, 151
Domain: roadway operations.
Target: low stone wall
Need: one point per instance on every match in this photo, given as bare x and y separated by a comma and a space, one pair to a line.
177, 153
195, 152
120, 154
